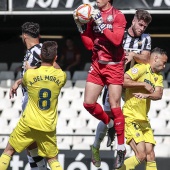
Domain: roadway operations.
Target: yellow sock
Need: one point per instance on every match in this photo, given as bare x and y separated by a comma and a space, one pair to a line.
55, 165
130, 163
151, 165
4, 161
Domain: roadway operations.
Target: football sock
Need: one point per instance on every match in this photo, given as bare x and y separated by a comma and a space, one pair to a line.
97, 111
100, 134
38, 159
130, 163
4, 161
151, 165
55, 165
119, 124
32, 163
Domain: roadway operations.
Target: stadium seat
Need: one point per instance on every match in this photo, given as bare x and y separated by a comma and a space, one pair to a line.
7, 83
18, 76
63, 103
13, 122
5, 103
165, 131
92, 124
64, 130
3, 66
71, 94
15, 66
158, 104
80, 86
83, 131
64, 133
166, 140
77, 140
152, 113
68, 85
85, 115
81, 146
87, 66
75, 123
166, 94
10, 113
80, 83
88, 140
157, 123
68, 113
2, 94
158, 139
5, 75
168, 125
61, 122
165, 84
164, 114
68, 75
77, 104
64, 146
3, 141
79, 75
162, 150
18, 104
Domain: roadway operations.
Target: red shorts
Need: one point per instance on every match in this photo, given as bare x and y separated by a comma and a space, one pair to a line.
105, 74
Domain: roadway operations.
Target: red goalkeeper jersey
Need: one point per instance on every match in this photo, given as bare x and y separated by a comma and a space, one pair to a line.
106, 46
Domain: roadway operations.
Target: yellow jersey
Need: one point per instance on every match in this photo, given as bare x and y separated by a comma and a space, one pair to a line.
134, 108
43, 85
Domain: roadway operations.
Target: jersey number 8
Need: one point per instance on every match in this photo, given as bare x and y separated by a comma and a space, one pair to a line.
44, 99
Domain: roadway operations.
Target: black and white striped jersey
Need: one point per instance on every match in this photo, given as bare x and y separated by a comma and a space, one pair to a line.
136, 44
32, 56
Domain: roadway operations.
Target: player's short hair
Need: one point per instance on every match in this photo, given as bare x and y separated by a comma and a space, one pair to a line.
49, 51
143, 15
31, 28
159, 51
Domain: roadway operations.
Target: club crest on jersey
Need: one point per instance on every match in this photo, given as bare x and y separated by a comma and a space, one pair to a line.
137, 134
156, 78
110, 18
134, 70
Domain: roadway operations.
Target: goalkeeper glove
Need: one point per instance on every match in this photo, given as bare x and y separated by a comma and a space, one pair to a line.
96, 15
79, 25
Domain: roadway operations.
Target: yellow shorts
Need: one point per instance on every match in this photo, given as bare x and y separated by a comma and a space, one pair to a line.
139, 131
23, 136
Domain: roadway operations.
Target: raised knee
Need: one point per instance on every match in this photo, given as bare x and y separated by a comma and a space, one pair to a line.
151, 156
89, 107
141, 156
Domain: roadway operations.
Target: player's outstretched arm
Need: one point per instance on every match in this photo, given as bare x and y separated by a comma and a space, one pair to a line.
13, 89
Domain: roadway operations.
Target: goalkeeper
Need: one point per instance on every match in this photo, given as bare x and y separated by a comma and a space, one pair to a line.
104, 35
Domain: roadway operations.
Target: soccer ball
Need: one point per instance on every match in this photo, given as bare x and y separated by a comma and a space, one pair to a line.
84, 12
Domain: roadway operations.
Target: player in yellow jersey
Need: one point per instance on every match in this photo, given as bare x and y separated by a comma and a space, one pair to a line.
39, 117
143, 83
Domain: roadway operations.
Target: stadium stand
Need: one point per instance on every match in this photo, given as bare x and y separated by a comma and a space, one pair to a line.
3, 66
76, 127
